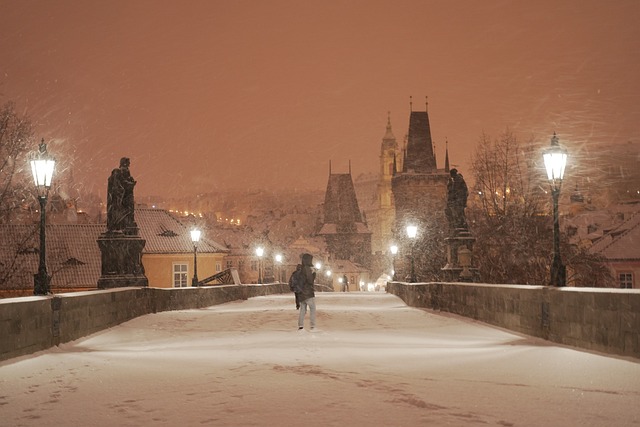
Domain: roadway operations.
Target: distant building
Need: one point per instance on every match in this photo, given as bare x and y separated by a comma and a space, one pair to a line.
420, 196
342, 225
74, 260
620, 247
168, 252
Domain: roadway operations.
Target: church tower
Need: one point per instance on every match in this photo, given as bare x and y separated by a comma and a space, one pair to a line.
382, 222
420, 197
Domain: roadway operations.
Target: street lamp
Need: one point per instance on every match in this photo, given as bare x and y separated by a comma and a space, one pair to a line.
412, 232
555, 160
195, 238
279, 262
394, 252
42, 166
259, 253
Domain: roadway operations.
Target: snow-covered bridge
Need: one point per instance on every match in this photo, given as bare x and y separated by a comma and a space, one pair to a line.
372, 361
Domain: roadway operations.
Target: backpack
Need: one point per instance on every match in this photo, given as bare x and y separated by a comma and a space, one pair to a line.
296, 281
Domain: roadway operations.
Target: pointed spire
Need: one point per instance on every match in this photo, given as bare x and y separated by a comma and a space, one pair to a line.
446, 155
349, 166
329, 167
419, 155
389, 133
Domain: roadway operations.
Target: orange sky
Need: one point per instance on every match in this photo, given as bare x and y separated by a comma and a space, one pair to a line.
203, 95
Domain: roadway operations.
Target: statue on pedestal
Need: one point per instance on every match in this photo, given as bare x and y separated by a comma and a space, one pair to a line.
120, 203
121, 246
457, 194
460, 241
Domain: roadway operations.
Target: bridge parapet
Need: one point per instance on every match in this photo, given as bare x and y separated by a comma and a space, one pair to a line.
31, 324
599, 319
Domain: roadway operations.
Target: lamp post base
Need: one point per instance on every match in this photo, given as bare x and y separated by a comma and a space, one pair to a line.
41, 283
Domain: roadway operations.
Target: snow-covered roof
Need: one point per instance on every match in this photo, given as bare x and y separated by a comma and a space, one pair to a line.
622, 242
165, 234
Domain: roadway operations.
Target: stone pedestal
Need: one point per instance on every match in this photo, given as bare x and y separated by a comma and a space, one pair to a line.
121, 260
459, 266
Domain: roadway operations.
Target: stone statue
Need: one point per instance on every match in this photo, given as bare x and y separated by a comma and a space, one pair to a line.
120, 202
457, 193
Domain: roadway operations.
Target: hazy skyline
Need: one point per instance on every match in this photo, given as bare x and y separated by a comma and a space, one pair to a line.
207, 95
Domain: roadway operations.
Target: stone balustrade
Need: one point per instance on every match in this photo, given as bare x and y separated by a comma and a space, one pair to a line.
31, 324
599, 319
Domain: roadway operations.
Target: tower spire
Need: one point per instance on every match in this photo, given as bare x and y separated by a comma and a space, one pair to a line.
446, 155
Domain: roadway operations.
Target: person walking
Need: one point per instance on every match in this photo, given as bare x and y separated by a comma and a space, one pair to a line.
307, 296
345, 283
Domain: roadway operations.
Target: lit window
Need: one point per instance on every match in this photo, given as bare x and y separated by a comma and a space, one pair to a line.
218, 266
625, 280
179, 275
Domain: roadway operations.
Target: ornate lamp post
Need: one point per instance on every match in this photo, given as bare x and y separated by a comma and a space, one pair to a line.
555, 160
260, 253
394, 252
42, 167
412, 232
195, 238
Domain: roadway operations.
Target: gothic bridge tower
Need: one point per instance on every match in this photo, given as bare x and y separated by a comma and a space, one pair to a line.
420, 197
345, 233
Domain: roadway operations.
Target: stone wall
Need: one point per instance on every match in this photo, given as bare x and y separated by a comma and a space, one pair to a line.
604, 320
31, 324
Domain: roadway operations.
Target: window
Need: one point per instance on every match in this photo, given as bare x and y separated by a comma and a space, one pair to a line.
625, 280
229, 263
218, 266
179, 275
254, 265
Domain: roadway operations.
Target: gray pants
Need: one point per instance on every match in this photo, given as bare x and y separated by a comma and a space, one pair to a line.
311, 303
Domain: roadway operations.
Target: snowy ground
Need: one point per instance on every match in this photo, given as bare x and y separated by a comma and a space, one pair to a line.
373, 361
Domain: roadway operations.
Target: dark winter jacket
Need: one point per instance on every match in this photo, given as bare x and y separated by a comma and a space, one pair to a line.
309, 278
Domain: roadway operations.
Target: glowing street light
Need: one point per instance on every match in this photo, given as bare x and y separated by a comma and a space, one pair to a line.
195, 238
555, 161
412, 232
42, 167
260, 253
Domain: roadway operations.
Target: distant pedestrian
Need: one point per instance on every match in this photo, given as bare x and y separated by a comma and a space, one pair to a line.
307, 296
345, 283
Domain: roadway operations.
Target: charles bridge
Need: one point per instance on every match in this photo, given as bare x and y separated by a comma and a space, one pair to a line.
603, 320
